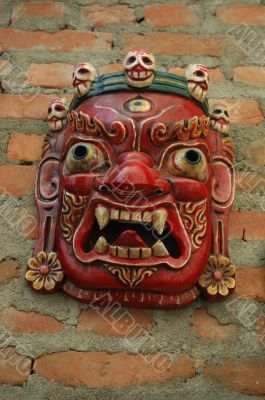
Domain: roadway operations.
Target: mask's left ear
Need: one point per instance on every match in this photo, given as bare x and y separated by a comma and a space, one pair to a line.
218, 279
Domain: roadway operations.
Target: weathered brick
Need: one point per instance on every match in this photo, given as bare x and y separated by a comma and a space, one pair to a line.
176, 43
34, 106
111, 370
110, 68
163, 15
25, 147
243, 111
238, 14
28, 322
123, 324
17, 180
118, 14
215, 74
14, 368
9, 270
246, 376
62, 41
243, 224
39, 9
250, 75
55, 75
209, 328
250, 283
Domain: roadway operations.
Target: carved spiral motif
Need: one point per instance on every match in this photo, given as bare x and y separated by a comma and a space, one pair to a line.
80, 122
72, 211
195, 222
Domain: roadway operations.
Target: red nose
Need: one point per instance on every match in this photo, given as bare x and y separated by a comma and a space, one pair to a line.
134, 176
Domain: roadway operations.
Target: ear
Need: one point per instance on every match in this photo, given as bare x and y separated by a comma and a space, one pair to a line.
46, 195
223, 184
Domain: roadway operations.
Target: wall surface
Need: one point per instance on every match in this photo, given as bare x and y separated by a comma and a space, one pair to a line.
52, 347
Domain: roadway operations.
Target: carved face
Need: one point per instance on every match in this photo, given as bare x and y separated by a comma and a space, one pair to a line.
139, 68
84, 74
198, 80
57, 112
220, 118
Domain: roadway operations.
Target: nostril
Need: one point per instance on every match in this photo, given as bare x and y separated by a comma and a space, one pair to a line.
159, 191
104, 188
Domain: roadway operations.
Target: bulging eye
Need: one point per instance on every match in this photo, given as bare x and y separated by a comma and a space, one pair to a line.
199, 73
85, 157
188, 163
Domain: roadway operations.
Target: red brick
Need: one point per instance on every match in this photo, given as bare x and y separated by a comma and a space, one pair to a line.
176, 43
25, 147
39, 9
62, 41
99, 370
110, 68
243, 111
28, 322
250, 283
239, 14
118, 14
55, 75
245, 376
215, 74
17, 180
9, 270
14, 368
209, 328
250, 75
128, 324
15, 106
163, 15
244, 224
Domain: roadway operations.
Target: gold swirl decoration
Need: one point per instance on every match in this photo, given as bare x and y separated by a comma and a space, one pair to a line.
72, 212
83, 123
131, 276
181, 130
194, 220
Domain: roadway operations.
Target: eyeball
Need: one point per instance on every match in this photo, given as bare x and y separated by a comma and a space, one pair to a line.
85, 157
188, 163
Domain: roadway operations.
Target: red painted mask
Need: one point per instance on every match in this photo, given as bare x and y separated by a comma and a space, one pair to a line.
134, 195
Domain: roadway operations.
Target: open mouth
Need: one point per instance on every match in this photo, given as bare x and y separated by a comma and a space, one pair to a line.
136, 75
138, 237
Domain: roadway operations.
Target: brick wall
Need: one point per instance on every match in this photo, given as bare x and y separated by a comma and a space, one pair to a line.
52, 347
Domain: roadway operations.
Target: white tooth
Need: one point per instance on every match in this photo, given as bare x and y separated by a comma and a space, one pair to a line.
142, 74
114, 214
159, 220
135, 74
136, 216
123, 252
147, 216
124, 215
113, 250
146, 252
101, 246
134, 252
159, 249
103, 216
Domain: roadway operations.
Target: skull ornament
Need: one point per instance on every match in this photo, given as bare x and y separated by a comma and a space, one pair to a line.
198, 80
134, 195
219, 117
83, 76
57, 112
139, 68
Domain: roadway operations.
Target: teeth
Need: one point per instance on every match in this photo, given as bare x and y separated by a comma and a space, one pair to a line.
123, 252
113, 251
103, 216
125, 215
135, 252
147, 216
142, 74
136, 216
146, 252
159, 249
135, 74
101, 246
159, 220
114, 214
